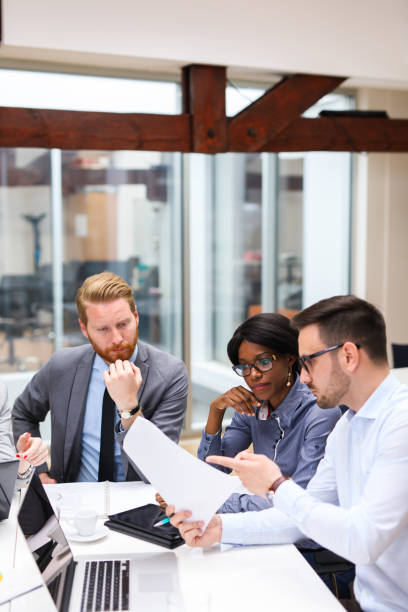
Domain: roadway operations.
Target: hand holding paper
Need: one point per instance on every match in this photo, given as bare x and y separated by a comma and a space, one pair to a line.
184, 481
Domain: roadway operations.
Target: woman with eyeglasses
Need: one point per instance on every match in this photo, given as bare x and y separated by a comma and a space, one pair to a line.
274, 412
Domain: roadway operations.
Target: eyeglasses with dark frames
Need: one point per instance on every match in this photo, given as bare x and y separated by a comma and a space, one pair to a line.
261, 365
303, 360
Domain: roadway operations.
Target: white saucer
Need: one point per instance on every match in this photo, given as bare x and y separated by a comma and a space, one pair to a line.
98, 535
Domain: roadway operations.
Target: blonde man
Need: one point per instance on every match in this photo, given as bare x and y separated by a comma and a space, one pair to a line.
96, 391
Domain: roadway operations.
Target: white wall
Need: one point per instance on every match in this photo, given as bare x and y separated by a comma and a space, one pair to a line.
380, 260
326, 225
359, 39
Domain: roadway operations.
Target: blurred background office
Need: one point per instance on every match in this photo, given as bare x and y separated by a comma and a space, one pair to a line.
204, 241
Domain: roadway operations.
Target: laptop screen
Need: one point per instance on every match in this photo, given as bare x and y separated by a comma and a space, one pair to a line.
46, 540
8, 475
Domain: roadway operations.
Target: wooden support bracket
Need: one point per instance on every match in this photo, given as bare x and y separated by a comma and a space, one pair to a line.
204, 100
268, 116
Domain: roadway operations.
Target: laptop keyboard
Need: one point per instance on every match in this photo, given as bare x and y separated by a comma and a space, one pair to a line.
105, 586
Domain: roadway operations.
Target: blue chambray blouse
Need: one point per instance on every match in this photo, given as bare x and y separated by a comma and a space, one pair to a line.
294, 436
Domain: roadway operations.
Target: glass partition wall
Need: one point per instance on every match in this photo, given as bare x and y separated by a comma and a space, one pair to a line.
257, 232
26, 314
119, 212
276, 238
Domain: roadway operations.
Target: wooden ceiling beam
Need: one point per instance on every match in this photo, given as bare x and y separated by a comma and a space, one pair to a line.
27, 127
272, 123
203, 89
353, 134
268, 116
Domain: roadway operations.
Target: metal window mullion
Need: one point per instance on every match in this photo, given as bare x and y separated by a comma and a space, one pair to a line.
185, 177
57, 247
269, 231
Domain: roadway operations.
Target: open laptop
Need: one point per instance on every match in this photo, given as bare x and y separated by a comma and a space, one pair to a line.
8, 475
142, 581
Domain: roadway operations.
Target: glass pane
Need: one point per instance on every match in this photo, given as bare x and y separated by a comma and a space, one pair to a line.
237, 245
26, 313
313, 199
265, 224
122, 214
36, 89
290, 232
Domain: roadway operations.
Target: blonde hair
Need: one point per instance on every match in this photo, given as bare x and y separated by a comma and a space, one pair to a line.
103, 287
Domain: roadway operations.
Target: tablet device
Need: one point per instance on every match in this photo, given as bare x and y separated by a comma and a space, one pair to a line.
139, 523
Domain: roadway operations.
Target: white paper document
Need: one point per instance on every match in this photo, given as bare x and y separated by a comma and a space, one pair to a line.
181, 479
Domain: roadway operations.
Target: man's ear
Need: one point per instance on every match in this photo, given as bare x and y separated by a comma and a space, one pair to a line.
136, 317
83, 328
351, 356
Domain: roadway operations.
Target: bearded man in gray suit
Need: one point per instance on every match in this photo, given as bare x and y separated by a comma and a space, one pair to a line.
96, 391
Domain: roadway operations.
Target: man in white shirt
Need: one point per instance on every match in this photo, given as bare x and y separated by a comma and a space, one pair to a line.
357, 503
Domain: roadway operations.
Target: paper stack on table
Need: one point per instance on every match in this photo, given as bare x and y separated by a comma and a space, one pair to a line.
181, 479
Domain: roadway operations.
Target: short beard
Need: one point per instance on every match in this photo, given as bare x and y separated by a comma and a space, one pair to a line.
128, 349
338, 387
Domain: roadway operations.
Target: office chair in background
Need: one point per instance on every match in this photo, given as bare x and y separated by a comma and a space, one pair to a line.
400, 355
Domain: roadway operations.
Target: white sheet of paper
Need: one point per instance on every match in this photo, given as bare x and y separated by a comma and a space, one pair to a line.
181, 479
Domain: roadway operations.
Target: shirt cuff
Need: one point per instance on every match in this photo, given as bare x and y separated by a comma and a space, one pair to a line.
206, 442
232, 528
287, 495
210, 437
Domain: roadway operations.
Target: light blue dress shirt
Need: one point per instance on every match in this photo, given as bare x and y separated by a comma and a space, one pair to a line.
356, 504
294, 436
91, 431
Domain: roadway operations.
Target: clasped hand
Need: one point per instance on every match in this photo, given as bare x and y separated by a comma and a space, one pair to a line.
239, 398
123, 381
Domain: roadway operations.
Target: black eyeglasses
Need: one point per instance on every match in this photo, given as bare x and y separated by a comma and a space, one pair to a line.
303, 360
261, 365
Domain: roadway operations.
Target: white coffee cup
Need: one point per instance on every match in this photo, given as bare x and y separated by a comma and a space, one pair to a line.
68, 504
85, 522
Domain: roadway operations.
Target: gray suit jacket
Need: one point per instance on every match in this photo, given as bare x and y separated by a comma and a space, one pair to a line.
61, 386
7, 448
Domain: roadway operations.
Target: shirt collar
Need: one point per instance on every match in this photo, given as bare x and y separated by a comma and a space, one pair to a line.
101, 365
287, 408
373, 406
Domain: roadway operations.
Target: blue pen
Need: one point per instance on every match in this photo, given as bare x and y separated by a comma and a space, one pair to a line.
162, 522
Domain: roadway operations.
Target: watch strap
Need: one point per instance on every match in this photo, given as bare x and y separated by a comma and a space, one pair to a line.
277, 483
130, 413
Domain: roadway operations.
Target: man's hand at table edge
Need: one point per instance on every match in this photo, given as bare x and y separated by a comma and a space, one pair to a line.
192, 532
46, 479
256, 472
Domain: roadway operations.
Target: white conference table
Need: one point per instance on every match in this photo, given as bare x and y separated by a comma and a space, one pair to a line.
217, 579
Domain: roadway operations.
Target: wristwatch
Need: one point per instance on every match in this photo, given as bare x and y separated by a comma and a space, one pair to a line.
276, 483
127, 414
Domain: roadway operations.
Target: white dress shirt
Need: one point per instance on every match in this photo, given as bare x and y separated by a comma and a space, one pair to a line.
356, 504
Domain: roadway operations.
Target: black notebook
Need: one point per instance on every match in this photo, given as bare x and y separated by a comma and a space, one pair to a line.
139, 522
